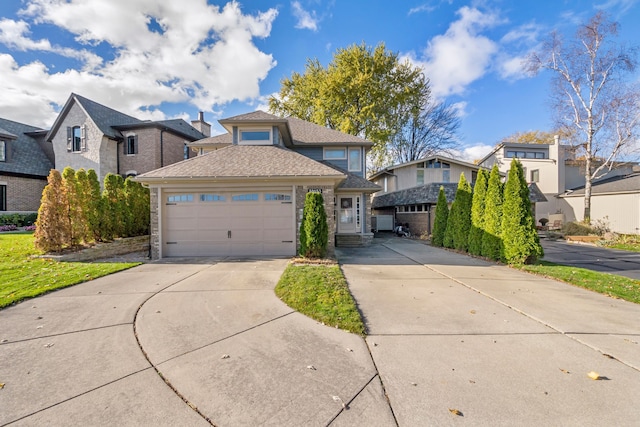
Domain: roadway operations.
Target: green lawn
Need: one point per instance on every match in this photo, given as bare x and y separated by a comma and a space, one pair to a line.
22, 277
605, 283
320, 292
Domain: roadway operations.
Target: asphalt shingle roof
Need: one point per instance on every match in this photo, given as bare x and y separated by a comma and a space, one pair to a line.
617, 184
428, 194
223, 139
236, 161
26, 156
105, 117
302, 131
423, 194
353, 181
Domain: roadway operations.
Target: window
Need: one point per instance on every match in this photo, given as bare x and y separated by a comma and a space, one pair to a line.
131, 145
446, 176
77, 139
185, 152
540, 155
535, 175
180, 198
255, 137
355, 161
212, 198
526, 154
335, 154
245, 197
3, 151
277, 197
358, 212
420, 177
3, 197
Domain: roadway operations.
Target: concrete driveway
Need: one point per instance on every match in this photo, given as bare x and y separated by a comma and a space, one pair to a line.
193, 342
623, 263
449, 332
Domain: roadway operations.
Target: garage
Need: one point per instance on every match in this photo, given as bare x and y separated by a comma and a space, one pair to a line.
228, 223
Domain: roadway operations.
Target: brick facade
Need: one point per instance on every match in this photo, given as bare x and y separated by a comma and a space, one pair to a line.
149, 157
328, 196
154, 228
23, 194
419, 222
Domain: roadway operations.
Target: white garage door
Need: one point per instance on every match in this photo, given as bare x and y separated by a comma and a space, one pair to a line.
209, 223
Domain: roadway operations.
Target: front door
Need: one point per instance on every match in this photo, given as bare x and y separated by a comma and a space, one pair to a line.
346, 215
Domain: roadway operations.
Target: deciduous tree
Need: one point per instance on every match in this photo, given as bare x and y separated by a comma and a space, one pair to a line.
592, 93
361, 92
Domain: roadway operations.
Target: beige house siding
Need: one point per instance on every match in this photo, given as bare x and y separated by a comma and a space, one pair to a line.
23, 194
620, 211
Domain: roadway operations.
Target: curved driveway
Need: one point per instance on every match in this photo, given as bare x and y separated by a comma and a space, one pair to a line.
200, 342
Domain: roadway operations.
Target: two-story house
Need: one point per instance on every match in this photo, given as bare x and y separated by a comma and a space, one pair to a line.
89, 135
410, 191
553, 168
244, 195
25, 162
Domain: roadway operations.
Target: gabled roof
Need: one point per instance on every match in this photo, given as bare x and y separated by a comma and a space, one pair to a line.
615, 185
111, 122
6, 134
389, 170
218, 141
295, 131
26, 157
244, 161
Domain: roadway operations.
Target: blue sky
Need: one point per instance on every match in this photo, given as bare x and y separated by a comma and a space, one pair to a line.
163, 59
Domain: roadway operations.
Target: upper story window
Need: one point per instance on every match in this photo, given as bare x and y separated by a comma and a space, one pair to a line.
434, 164
335, 154
526, 154
355, 159
420, 177
535, 175
3, 151
76, 139
255, 137
131, 145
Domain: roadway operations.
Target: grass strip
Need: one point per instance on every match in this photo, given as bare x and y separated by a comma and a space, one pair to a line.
23, 277
321, 293
608, 284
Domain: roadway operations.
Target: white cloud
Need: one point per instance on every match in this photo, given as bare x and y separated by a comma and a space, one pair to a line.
422, 8
202, 54
459, 57
306, 20
474, 152
14, 34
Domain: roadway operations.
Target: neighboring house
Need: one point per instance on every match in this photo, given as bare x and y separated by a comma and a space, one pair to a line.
615, 201
91, 136
25, 161
553, 168
410, 191
245, 194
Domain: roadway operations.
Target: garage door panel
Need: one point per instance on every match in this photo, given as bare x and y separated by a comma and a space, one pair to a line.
201, 228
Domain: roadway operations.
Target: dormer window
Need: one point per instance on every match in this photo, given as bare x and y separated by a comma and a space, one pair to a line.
255, 137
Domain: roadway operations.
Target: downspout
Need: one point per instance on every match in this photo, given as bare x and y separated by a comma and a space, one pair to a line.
118, 142
161, 147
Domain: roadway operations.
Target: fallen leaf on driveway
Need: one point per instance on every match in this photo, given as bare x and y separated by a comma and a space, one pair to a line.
225, 356
48, 345
564, 371
1, 386
472, 312
338, 399
311, 367
593, 375
456, 412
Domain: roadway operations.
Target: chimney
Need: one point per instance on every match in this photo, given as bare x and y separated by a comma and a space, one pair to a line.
201, 125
